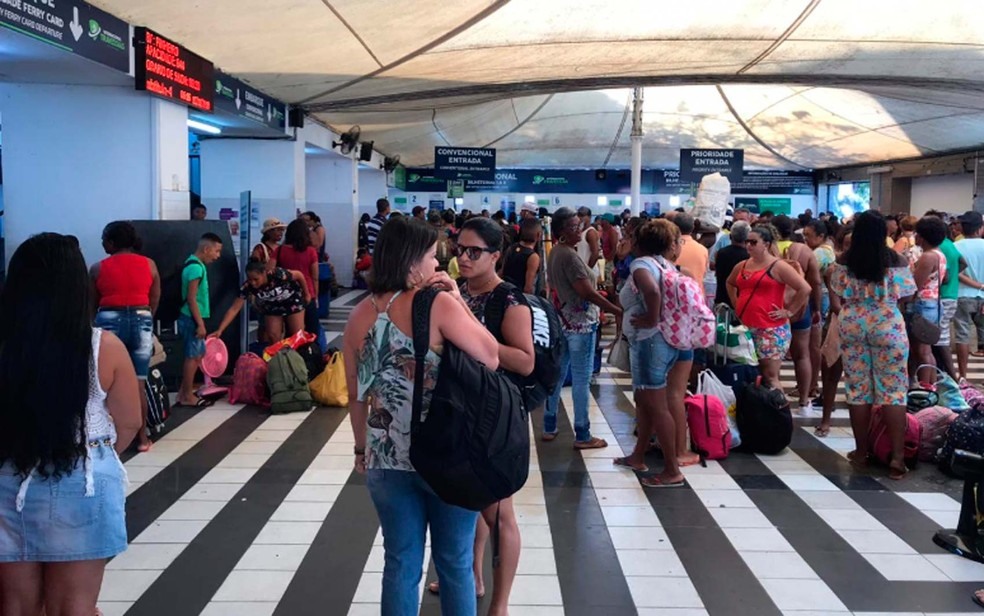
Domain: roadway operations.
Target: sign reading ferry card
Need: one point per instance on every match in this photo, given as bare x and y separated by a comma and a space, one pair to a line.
170, 71
695, 164
464, 163
75, 27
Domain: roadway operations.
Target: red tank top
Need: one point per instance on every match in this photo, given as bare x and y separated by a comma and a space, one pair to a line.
758, 295
124, 281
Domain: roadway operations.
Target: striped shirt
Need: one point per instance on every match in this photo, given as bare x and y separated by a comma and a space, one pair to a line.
373, 227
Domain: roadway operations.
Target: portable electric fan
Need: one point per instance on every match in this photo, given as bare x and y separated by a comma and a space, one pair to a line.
214, 364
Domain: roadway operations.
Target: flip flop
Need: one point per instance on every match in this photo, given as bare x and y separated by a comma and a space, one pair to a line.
624, 463
977, 599
896, 475
434, 588
656, 482
683, 464
821, 432
145, 448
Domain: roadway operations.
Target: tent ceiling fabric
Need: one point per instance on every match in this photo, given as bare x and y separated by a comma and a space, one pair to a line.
813, 83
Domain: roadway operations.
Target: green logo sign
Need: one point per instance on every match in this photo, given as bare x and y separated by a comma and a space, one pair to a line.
218, 85
94, 29
538, 179
414, 177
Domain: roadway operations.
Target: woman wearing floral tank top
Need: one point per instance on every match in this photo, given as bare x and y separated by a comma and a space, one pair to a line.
380, 367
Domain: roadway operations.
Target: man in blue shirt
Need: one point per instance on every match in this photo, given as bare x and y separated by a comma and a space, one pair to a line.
970, 297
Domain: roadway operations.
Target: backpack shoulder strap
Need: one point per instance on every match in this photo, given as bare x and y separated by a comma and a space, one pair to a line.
420, 317
495, 309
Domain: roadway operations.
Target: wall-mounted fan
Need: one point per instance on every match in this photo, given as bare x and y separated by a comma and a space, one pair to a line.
391, 162
348, 140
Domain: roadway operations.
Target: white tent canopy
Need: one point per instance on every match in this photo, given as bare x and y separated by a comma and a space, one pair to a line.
810, 83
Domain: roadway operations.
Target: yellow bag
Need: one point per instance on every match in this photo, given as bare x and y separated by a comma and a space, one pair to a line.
329, 388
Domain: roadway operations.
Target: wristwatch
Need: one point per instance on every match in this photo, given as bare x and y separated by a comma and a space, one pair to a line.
359, 451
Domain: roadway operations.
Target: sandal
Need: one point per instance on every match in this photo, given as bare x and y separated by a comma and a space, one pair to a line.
978, 597
852, 457
896, 474
821, 431
624, 463
689, 462
656, 482
434, 588
145, 447
594, 443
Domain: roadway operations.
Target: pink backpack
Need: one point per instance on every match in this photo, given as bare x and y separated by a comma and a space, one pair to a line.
707, 420
933, 424
685, 322
249, 381
880, 443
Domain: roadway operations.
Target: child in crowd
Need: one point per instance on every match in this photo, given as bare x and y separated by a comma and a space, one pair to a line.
194, 311
363, 263
280, 295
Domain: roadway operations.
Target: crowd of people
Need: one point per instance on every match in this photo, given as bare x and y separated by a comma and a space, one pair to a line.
784, 279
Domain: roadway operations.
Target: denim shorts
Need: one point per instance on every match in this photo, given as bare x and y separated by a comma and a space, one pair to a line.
194, 347
58, 523
806, 322
135, 329
928, 308
651, 360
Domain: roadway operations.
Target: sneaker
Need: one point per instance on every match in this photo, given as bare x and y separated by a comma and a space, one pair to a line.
806, 410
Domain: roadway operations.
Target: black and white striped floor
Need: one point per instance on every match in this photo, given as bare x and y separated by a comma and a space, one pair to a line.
235, 512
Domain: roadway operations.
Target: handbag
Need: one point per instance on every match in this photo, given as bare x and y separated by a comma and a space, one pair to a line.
618, 356
831, 347
329, 388
947, 391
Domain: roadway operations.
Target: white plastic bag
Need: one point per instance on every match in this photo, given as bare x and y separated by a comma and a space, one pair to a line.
709, 384
711, 205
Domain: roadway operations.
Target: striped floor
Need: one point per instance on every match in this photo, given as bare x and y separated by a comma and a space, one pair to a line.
235, 512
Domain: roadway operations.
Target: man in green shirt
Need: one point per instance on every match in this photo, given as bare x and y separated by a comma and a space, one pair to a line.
196, 308
948, 305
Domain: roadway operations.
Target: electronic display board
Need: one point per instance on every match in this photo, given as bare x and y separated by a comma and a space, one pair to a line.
170, 71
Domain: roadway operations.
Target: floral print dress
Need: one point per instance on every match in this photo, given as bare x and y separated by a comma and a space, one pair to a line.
874, 345
386, 379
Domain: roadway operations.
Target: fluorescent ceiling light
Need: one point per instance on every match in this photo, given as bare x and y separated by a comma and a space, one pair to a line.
205, 128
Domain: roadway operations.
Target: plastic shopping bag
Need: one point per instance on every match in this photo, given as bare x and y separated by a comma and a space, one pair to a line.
329, 388
709, 384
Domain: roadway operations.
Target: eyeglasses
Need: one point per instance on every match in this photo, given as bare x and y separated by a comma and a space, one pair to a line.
474, 253
751, 242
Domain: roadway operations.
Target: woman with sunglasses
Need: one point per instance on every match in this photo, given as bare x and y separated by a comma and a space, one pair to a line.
479, 251
757, 289
575, 289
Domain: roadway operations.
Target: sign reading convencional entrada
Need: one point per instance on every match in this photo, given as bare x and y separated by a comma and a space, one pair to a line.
695, 164
464, 163
237, 98
75, 27
167, 69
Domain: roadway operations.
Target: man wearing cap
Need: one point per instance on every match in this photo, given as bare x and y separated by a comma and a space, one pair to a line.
528, 210
273, 234
970, 297
419, 212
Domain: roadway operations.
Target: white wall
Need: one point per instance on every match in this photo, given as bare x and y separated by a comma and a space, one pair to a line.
329, 195
267, 168
947, 193
77, 158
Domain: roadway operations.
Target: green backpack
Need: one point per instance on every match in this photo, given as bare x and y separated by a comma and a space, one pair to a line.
288, 381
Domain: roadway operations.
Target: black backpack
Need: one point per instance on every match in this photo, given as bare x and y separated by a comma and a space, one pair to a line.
549, 342
764, 420
967, 433
473, 448
313, 359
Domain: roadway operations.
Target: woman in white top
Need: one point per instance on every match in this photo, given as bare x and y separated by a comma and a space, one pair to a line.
62, 486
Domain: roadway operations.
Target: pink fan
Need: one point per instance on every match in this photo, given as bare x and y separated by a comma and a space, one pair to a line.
214, 364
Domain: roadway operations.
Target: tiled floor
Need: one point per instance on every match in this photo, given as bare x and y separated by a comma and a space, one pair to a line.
238, 513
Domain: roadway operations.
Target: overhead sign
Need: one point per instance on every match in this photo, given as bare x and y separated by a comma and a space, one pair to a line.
776, 205
464, 163
235, 97
616, 181
75, 27
695, 164
170, 71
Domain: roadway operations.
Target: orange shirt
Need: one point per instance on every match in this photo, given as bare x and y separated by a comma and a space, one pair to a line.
694, 258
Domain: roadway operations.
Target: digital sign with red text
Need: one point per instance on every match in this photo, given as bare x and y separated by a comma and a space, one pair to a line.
171, 71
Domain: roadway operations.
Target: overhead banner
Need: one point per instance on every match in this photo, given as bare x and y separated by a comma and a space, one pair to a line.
695, 164
235, 97
464, 163
614, 181
75, 27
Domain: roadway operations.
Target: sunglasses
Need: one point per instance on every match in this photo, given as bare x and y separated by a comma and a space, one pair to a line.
474, 253
752, 242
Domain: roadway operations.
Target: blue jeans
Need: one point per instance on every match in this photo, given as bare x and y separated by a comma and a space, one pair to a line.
579, 357
135, 329
406, 507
